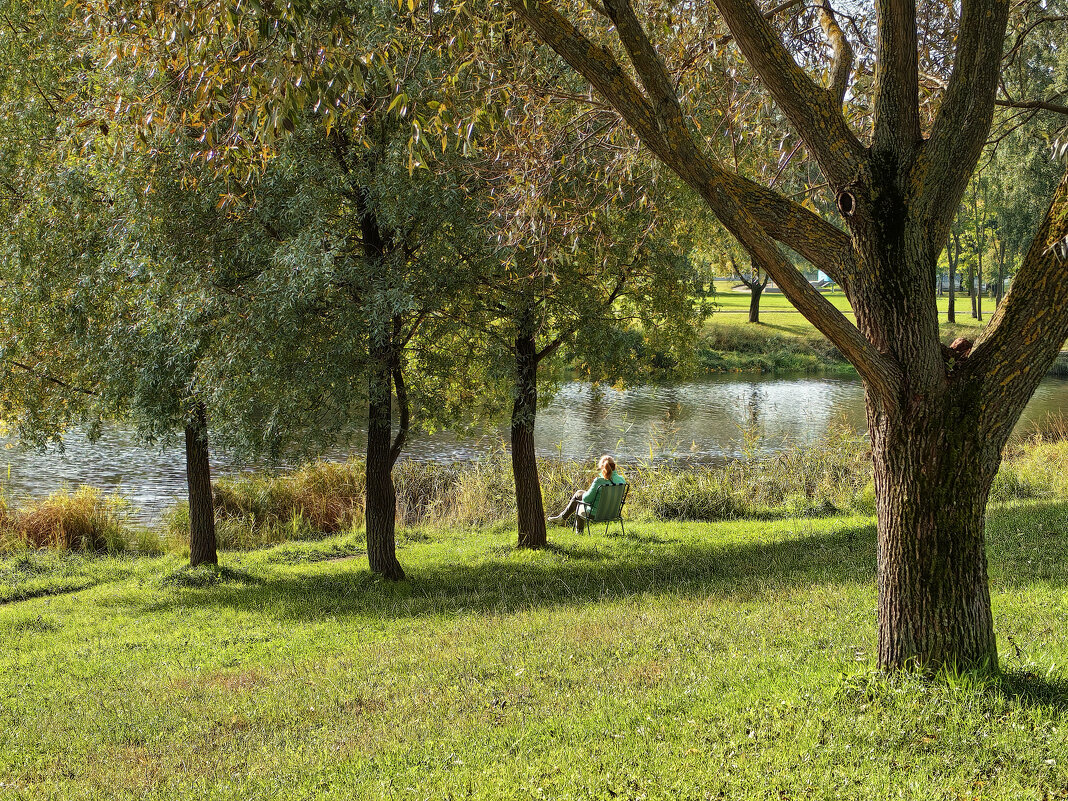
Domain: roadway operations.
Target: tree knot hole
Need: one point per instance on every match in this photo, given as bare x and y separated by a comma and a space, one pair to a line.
847, 204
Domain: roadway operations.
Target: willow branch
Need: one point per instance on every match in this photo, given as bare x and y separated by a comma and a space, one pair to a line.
896, 127
1031, 323
959, 131
1040, 105
51, 379
788, 221
814, 111
842, 64
768, 15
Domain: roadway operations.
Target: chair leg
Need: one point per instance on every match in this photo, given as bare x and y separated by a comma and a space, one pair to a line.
622, 527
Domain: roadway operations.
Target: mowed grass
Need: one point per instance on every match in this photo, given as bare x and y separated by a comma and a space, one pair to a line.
681, 661
778, 314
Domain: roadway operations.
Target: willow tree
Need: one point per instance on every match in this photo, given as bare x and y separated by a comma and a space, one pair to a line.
937, 423
100, 322
362, 84
582, 242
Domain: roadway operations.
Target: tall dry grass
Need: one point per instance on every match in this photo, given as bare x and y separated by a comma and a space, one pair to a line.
324, 498
86, 519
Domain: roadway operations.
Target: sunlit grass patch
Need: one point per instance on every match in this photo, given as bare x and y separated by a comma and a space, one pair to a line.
683, 660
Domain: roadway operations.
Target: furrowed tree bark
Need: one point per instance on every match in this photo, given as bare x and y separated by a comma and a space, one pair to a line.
932, 479
530, 509
202, 545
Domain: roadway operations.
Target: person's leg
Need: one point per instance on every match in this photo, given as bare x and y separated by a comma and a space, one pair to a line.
568, 510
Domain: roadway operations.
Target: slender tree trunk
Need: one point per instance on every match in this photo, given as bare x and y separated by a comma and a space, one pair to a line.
951, 314
529, 507
754, 302
202, 545
971, 289
953, 256
380, 511
1000, 288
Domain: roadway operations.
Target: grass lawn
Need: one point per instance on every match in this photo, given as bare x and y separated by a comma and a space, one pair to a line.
681, 661
777, 314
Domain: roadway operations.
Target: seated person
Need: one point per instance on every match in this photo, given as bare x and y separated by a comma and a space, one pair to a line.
608, 475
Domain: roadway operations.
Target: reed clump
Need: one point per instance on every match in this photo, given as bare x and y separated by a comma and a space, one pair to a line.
748, 348
1035, 466
86, 519
257, 509
322, 499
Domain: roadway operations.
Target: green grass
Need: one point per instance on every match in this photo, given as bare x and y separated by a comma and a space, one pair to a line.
785, 342
682, 661
778, 314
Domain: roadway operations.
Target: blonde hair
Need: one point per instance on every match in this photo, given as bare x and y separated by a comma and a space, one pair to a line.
606, 461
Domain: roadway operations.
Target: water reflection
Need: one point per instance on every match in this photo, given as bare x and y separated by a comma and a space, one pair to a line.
710, 420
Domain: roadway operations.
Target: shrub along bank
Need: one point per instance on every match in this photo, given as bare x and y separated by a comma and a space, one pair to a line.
326, 498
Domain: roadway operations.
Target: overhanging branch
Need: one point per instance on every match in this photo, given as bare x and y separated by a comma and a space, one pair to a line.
814, 113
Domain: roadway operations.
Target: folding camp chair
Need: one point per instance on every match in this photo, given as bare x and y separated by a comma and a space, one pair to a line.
610, 499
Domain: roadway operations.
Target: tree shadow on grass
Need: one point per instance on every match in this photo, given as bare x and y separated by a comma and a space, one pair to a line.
1027, 688
1028, 544
642, 561
566, 575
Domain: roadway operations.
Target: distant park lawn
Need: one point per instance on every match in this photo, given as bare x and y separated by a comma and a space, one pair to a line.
681, 661
777, 314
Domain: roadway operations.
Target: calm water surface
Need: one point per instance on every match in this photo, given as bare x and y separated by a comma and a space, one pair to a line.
706, 420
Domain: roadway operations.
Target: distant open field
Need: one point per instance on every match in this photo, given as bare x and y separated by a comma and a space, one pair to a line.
777, 314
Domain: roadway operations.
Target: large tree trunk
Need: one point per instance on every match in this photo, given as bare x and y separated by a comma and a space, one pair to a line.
380, 509
529, 507
202, 546
932, 479
933, 462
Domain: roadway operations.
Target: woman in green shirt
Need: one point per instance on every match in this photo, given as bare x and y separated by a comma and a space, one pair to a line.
606, 465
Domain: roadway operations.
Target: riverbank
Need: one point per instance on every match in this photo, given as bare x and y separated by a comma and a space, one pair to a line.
324, 499
785, 342
681, 661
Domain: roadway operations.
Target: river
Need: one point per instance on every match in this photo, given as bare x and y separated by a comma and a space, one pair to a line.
714, 419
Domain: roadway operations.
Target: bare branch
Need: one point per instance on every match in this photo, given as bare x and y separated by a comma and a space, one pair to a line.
842, 65
1040, 105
